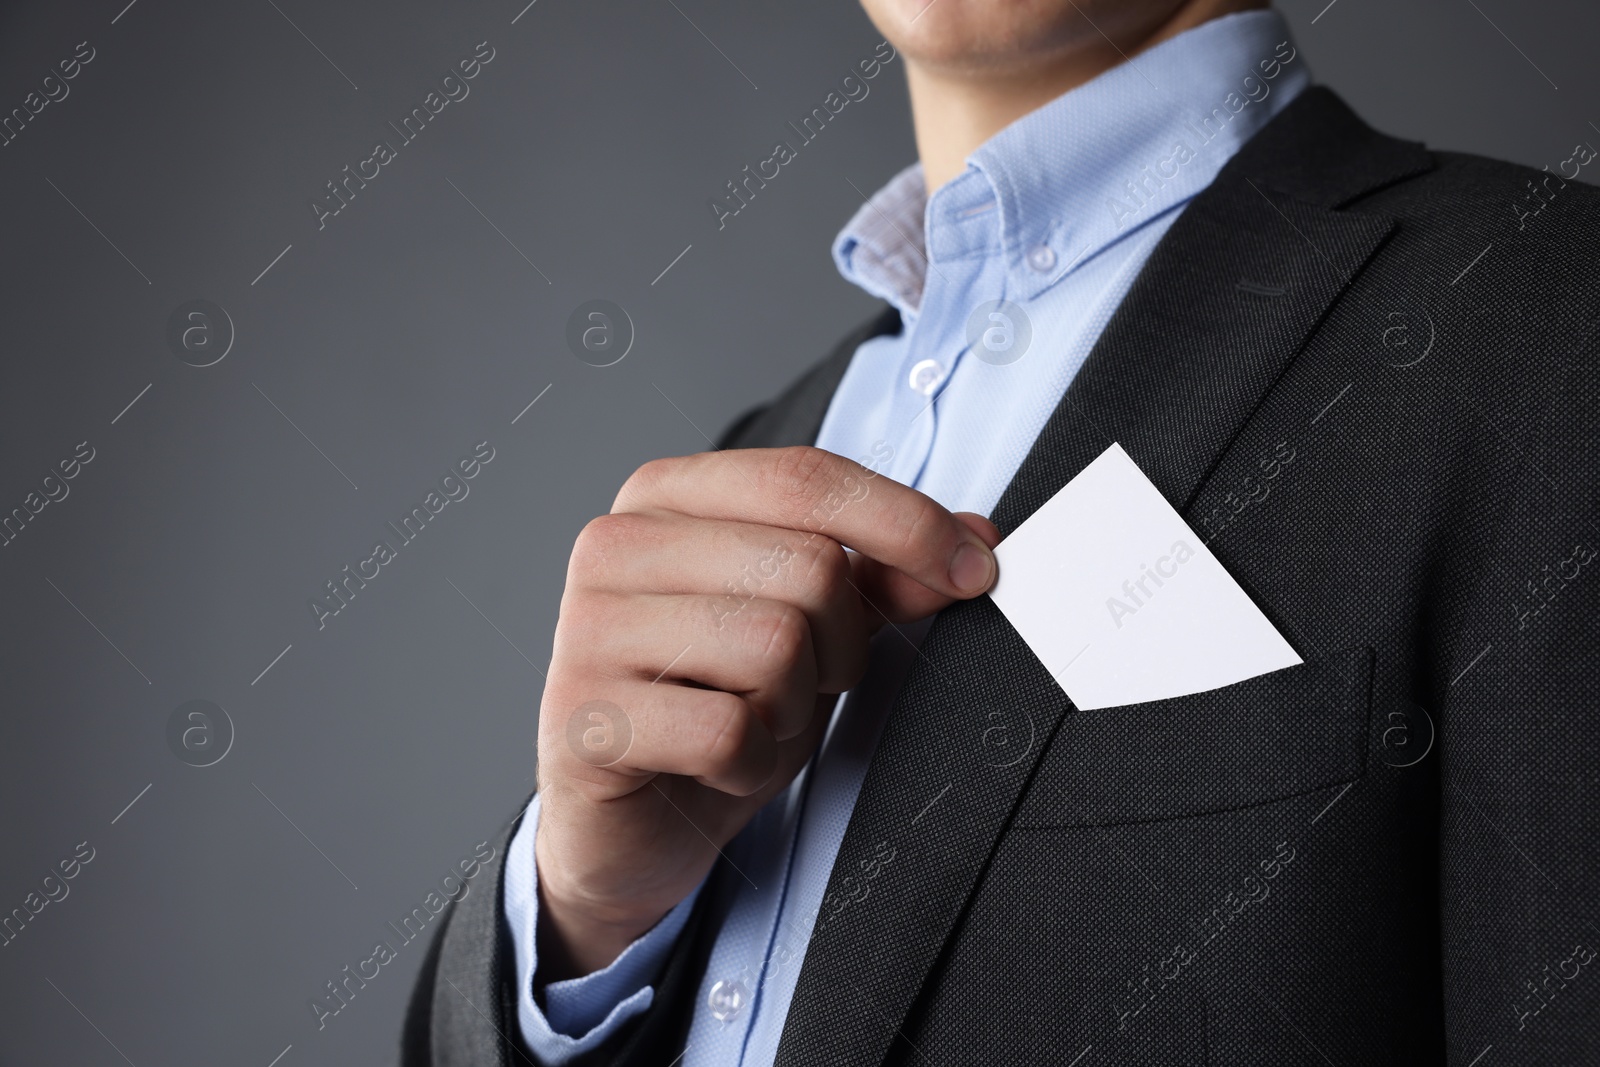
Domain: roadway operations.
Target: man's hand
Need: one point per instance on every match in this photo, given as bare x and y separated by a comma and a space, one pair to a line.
707, 624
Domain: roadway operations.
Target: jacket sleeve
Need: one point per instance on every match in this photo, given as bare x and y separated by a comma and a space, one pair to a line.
463, 1009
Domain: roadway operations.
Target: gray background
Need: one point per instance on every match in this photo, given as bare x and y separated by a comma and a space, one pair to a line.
395, 339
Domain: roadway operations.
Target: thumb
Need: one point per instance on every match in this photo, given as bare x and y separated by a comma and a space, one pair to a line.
893, 596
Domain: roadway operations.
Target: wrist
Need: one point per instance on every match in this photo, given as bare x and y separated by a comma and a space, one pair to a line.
578, 935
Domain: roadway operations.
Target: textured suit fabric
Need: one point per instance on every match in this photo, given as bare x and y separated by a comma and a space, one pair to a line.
1371, 389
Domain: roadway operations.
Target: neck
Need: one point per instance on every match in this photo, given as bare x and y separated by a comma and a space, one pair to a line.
954, 110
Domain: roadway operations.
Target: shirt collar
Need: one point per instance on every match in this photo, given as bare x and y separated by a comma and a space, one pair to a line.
881, 249
1074, 176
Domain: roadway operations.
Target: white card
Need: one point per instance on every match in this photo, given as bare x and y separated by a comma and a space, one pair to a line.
1122, 602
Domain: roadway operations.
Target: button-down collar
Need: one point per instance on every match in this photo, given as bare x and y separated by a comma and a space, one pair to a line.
1074, 176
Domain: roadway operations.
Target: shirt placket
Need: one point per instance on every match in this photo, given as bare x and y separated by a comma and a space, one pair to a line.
759, 866
962, 244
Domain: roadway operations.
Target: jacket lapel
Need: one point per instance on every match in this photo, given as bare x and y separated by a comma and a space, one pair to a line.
1226, 302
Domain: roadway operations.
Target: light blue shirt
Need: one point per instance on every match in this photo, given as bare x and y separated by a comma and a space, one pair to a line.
1054, 217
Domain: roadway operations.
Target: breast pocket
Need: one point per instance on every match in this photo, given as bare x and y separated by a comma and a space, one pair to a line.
1272, 737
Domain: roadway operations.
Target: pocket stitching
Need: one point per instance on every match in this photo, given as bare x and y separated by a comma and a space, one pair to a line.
1353, 701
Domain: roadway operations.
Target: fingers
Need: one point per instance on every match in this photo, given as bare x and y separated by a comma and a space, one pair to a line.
708, 617
728, 566
761, 652
639, 730
892, 596
813, 491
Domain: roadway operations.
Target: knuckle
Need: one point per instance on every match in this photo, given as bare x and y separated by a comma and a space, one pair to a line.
643, 481
729, 723
583, 627
853, 668
827, 572
914, 527
800, 476
781, 633
600, 540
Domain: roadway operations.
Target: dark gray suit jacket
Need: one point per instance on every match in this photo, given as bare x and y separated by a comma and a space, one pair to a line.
1366, 375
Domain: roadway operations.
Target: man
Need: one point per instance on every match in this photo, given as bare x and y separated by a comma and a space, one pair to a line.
1365, 375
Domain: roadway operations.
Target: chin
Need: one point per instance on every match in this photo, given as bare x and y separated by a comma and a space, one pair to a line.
1012, 35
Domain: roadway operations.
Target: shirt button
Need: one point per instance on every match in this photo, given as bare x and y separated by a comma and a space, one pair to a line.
926, 376
1041, 258
726, 999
